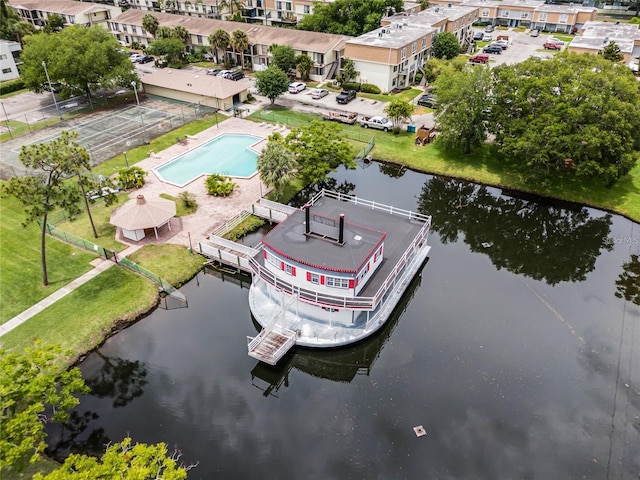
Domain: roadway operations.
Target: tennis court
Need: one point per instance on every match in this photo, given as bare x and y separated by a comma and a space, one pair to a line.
109, 133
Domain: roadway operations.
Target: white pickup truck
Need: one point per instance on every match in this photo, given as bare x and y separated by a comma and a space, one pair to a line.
381, 123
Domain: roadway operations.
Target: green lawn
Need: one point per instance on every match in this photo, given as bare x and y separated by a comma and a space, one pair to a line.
81, 226
172, 263
21, 128
81, 320
20, 267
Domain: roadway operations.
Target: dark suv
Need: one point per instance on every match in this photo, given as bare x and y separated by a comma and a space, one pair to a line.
428, 100
493, 49
235, 75
346, 96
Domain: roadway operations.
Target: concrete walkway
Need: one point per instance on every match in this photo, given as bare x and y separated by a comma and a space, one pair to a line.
62, 292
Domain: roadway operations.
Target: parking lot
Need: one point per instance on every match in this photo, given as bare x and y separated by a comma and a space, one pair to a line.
521, 47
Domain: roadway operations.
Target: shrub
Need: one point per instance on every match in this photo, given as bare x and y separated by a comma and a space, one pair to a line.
11, 86
351, 86
369, 88
132, 177
188, 200
219, 185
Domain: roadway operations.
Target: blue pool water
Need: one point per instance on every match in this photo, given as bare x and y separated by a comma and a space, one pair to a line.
226, 155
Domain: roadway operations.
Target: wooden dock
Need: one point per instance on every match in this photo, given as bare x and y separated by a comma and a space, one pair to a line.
269, 346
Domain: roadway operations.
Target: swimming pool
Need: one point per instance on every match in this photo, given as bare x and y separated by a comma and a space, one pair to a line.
228, 154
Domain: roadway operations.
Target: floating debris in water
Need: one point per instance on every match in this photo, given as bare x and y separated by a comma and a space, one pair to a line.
420, 431
486, 244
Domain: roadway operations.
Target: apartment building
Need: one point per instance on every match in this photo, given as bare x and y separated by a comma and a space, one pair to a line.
594, 36
529, 13
9, 53
72, 12
324, 49
266, 12
390, 56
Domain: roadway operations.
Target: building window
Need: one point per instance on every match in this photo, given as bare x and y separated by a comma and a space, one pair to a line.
542, 17
563, 18
485, 12
134, 29
314, 278
3, 57
72, 19
414, 46
506, 13
337, 282
424, 43
199, 39
307, 9
6, 70
288, 6
289, 270
278, 5
403, 53
524, 15
124, 28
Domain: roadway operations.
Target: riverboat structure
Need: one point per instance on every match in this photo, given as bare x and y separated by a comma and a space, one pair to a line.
331, 273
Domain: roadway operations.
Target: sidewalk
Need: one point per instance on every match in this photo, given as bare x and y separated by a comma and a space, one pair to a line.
62, 292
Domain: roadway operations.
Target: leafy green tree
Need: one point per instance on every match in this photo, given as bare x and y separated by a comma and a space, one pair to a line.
319, 148
32, 384
463, 102
80, 57
219, 40
628, 283
283, 56
219, 185
349, 17
150, 23
398, 110
304, 64
47, 190
123, 461
348, 73
612, 52
239, 43
12, 27
272, 82
277, 165
446, 46
54, 23
230, 5
172, 49
576, 114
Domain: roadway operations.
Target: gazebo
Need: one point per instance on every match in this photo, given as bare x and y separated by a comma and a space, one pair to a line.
139, 214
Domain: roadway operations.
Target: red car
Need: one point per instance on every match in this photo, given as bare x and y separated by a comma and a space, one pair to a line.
552, 46
479, 58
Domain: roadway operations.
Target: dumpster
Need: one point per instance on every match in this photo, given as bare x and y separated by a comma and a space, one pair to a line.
411, 128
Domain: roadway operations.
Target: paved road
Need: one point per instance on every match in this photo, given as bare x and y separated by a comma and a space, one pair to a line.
521, 47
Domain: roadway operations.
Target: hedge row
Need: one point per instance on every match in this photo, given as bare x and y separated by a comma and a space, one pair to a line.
11, 86
361, 87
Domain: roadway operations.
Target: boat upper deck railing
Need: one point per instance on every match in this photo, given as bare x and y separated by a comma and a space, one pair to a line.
369, 203
341, 301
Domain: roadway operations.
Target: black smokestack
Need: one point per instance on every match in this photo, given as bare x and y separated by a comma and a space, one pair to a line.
307, 219
341, 231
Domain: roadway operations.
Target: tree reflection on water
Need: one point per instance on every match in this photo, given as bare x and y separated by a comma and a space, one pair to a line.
538, 240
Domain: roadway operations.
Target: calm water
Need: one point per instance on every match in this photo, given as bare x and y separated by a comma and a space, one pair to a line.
521, 359
226, 155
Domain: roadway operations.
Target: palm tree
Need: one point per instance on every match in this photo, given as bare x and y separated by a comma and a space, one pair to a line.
150, 23
182, 34
164, 32
238, 4
239, 43
11, 26
219, 40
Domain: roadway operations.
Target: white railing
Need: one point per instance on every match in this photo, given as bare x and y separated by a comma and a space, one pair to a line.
369, 203
268, 213
231, 223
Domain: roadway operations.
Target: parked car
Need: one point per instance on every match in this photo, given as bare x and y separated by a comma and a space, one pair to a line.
489, 28
213, 71
503, 43
535, 33
223, 73
318, 93
552, 46
479, 58
478, 36
236, 75
297, 87
428, 100
497, 49
145, 59
381, 123
135, 56
346, 96
555, 40
487, 37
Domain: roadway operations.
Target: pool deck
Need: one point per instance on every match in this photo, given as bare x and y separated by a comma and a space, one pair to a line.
212, 211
